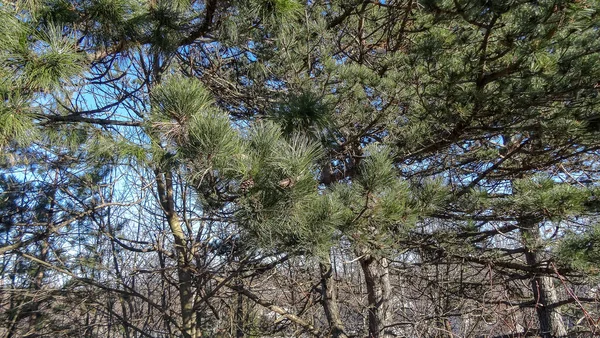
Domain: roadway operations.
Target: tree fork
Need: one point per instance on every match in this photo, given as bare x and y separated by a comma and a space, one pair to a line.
379, 289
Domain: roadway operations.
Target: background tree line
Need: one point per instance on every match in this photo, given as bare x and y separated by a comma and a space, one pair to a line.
284, 168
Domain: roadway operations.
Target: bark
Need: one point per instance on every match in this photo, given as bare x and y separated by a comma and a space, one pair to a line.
544, 293
558, 326
377, 281
183, 255
329, 301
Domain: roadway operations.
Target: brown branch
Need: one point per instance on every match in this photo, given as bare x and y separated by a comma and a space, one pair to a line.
78, 118
205, 27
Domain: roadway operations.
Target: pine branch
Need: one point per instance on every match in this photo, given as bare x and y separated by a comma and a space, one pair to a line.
49, 119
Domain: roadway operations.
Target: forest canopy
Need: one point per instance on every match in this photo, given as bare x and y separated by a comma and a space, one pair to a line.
286, 168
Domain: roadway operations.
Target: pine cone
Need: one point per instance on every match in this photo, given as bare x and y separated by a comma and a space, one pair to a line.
246, 185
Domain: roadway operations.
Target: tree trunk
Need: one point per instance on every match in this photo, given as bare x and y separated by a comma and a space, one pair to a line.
542, 287
379, 291
558, 326
184, 260
329, 301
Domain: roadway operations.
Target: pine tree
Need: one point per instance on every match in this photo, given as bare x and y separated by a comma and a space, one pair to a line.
167, 155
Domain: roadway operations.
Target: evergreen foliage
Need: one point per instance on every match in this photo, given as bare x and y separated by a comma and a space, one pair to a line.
421, 161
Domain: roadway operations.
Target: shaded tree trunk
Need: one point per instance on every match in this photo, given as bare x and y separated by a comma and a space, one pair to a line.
377, 281
330, 302
544, 293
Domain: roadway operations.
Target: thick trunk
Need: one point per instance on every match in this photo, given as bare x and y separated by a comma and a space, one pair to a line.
539, 296
186, 296
544, 293
183, 256
377, 281
558, 326
329, 301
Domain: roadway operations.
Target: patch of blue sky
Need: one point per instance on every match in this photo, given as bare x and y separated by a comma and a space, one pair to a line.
249, 54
